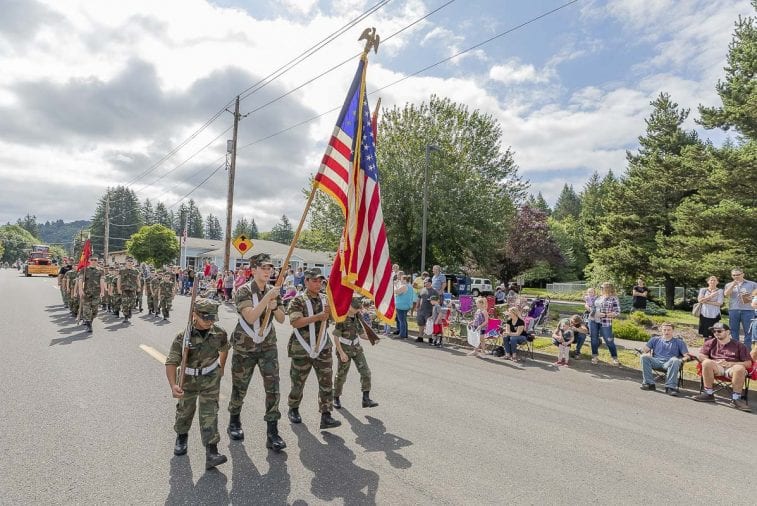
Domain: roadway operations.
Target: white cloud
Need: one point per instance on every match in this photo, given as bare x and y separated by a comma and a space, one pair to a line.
513, 72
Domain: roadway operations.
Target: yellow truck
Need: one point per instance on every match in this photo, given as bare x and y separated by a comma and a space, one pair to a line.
39, 262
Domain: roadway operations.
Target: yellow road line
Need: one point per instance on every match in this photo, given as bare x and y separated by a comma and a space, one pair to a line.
161, 358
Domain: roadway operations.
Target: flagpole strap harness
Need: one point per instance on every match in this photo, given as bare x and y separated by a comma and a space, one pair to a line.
254, 332
349, 342
311, 330
201, 372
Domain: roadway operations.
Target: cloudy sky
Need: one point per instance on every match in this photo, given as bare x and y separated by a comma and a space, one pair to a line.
100, 93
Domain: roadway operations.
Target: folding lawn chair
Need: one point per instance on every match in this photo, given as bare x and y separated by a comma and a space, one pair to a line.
724, 383
661, 374
493, 337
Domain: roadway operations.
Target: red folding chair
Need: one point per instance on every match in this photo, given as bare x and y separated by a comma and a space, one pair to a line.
724, 382
492, 337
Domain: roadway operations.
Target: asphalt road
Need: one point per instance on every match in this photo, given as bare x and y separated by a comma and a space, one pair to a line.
87, 419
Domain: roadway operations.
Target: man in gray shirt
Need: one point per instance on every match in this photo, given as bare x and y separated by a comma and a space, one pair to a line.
740, 311
438, 280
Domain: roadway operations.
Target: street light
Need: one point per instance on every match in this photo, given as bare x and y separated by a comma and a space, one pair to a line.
429, 149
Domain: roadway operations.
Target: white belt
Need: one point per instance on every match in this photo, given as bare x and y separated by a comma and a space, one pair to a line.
349, 342
254, 332
201, 372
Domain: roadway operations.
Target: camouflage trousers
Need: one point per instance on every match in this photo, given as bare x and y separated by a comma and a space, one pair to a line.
155, 303
202, 390
242, 367
89, 307
353, 353
165, 305
64, 295
115, 302
73, 304
150, 304
105, 300
128, 298
300, 369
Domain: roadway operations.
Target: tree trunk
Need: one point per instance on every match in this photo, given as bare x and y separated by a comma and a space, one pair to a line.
670, 292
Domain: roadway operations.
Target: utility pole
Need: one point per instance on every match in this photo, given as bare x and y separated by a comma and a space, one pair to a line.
429, 149
230, 194
107, 227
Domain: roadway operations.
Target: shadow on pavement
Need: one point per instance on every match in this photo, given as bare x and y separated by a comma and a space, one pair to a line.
249, 486
336, 474
82, 336
373, 437
56, 308
209, 489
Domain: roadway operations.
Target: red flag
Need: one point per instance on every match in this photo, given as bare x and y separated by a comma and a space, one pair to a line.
86, 252
349, 174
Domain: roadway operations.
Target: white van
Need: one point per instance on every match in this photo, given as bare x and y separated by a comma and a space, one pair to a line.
481, 286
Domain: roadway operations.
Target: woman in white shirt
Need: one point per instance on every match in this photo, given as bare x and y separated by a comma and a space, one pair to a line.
711, 299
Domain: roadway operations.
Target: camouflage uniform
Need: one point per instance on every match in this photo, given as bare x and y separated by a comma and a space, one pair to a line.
166, 295
106, 297
155, 288
129, 277
115, 297
247, 354
302, 362
203, 351
91, 299
148, 292
351, 330
73, 295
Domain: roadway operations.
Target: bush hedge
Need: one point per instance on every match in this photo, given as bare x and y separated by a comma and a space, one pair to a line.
627, 329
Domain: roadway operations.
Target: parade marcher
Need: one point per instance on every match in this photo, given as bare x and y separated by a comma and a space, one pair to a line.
208, 349
128, 285
91, 289
166, 291
155, 289
115, 297
347, 336
251, 349
62, 280
307, 313
148, 290
73, 292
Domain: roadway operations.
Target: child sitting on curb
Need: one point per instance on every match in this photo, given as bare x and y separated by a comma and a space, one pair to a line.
563, 338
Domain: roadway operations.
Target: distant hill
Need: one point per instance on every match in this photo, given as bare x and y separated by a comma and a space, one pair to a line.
58, 232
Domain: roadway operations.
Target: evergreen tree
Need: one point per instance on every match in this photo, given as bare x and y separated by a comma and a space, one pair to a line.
283, 232
568, 203
181, 219
148, 213
29, 223
539, 203
254, 233
125, 219
241, 228
738, 92
196, 226
213, 228
641, 212
162, 216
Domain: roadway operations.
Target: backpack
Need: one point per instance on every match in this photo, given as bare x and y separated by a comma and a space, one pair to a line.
498, 351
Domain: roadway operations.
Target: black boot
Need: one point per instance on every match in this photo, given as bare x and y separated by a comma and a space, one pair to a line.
212, 457
327, 422
274, 441
367, 402
294, 415
337, 402
115, 312
235, 428
180, 448
88, 325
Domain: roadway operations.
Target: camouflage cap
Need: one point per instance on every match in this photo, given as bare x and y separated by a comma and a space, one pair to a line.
207, 309
314, 273
357, 302
94, 258
260, 259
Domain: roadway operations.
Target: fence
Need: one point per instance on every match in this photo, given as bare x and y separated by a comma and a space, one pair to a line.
655, 292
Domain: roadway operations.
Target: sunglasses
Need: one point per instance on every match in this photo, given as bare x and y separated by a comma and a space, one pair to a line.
719, 331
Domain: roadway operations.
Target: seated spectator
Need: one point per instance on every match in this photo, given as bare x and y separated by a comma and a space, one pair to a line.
726, 357
514, 334
499, 295
580, 331
663, 352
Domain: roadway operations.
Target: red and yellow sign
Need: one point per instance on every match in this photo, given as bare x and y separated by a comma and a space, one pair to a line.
242, 244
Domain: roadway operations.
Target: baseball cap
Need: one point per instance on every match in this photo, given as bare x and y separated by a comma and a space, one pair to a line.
314, 273
720, 326
357, 302
260, 259
207, 309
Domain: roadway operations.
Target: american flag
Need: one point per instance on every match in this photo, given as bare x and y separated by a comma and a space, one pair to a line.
349, 174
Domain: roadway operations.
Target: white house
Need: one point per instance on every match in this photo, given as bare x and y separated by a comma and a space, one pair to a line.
196, 251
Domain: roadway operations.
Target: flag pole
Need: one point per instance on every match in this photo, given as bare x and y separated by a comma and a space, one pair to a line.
285, 264
371, 42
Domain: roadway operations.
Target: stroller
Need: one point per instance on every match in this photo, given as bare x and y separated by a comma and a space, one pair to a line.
537, 316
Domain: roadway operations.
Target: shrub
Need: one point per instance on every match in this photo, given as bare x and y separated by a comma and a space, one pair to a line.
626, 306
640, 318
626, 329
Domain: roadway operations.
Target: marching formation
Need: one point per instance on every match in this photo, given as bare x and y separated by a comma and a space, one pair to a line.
198, 356
117, 289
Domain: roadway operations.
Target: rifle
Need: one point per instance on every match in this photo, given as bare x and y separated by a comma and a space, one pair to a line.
369, 332
185, 341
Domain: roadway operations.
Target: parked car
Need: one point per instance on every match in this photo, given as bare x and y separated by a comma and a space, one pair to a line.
481, 286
